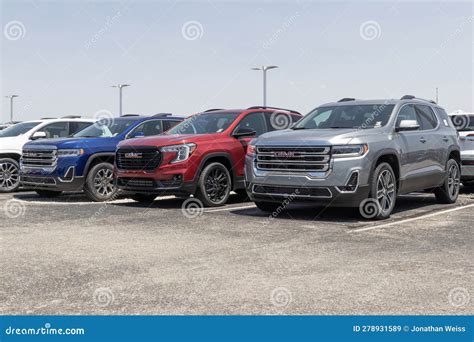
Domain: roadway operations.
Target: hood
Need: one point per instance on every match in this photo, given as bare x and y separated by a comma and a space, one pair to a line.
69, 142
169, 139
339, 136
10, 143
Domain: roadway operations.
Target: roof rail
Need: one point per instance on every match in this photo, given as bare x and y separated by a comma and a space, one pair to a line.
162, 114
277, 108
125, 115
411, 97
212, 110
47, 118
71, 117
346, 99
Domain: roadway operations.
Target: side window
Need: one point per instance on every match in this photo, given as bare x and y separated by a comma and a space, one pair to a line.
254, 121
75, 126
280, 120
426, 117
56, 130
407, 112
151, 127
168, 124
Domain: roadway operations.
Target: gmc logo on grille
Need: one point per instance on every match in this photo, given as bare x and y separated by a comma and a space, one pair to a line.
283, 154
133, 155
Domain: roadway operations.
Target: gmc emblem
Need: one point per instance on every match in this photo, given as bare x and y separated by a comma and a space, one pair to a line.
283, 154
133, 155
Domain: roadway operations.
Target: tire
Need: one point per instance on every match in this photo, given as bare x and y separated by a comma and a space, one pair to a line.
383, 194
48, 193
214, 185
142, 198
448, 192
268, 207
9, 175
99, 186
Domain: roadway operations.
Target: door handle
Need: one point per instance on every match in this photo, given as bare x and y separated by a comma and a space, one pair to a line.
445, 139
423, 140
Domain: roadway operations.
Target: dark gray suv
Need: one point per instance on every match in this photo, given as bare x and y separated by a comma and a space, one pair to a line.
357, 153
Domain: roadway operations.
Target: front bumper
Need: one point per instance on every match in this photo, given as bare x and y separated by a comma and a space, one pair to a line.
148, 185
317, 187
57, 179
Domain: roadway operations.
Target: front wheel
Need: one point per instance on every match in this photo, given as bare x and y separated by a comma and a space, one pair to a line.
99, 185
214, 185
383, 194
448, 192
9, 175
48, 193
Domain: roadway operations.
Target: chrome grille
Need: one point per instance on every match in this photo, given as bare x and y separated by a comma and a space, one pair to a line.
138, 158
39, 157
293, 158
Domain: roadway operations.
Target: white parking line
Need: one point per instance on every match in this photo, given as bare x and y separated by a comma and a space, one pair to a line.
380, 226
230, 208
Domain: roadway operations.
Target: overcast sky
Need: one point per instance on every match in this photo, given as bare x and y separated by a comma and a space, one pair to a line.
61, 57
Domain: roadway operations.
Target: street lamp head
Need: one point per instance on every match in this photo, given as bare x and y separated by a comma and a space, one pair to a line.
256, 69
271, 67
12, 96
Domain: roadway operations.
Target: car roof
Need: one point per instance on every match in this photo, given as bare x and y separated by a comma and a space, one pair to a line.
349, 102
461, 113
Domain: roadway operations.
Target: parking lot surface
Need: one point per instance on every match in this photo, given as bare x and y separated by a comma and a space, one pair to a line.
70, 256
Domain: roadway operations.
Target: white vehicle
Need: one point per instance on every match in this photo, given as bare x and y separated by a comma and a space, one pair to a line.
464, 123
14, 137
8, 124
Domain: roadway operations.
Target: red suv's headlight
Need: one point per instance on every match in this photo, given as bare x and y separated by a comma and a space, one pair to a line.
182, 151
251, 149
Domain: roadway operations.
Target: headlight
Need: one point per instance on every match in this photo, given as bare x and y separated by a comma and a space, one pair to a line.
251, 150
349, 151
182, 151
73, 152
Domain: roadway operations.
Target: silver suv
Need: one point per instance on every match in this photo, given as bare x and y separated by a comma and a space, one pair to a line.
357, 153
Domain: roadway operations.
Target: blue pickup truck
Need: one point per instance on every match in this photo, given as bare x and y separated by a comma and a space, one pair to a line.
85, 160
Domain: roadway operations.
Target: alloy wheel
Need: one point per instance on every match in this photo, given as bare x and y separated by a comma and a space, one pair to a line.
385, 190
454, 181
104, 182
9, 176
216, 185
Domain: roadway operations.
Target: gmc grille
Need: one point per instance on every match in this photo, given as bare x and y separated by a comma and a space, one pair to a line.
138, 158
293, 158
39, 157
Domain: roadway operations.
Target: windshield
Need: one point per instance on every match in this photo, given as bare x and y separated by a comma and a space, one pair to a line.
105, 128
347, 116
463, 122
17, 129
205, 123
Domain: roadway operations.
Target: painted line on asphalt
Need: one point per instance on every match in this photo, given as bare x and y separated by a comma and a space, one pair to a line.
230, 208
78, 202
385, 225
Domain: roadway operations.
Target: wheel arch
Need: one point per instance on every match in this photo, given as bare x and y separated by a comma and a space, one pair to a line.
390, 157
97, 158
220, 157
11, 155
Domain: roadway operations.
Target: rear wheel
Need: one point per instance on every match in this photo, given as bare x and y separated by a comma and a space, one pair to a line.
267, 206
448, 192
9, 175
48, 193
99, 185
143, 198
214, 185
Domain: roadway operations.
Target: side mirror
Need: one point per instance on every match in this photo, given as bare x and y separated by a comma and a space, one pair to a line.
244, 132
138, 134
38, 135
407, 125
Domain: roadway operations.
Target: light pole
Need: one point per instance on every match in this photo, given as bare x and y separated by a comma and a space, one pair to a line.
264, 69
11, 97
120, 86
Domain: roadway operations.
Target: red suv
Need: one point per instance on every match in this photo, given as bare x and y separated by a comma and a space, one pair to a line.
202, 156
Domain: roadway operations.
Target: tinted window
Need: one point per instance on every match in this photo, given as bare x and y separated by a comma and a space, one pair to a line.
169, 124
105, 128
253, 121
19, 128
56, 130
75, 126
426, 117
407, 112
151, 127
347, 116
205, 123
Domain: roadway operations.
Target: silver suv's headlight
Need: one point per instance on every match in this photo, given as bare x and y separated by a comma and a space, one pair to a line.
70, 152
349, 151
183, 151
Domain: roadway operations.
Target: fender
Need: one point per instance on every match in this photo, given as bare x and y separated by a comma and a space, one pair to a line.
94, 156
213, 155
383, 152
